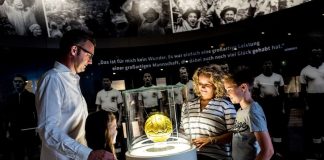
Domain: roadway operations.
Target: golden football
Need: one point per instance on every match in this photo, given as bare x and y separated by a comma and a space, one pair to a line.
158, 127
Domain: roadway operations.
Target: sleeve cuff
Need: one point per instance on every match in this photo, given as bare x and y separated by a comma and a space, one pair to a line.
84, 152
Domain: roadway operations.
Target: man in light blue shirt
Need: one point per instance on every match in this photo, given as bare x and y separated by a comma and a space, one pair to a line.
61, 107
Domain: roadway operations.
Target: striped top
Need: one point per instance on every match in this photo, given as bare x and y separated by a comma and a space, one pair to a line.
216, 118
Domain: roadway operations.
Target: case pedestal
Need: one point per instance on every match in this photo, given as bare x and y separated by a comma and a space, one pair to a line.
188, 154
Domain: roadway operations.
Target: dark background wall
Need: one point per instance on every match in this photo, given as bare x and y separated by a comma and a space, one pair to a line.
304, 23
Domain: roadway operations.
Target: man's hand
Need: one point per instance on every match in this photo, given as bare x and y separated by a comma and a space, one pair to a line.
101, 155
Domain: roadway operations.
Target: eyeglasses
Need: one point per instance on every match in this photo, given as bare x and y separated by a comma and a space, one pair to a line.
84, 50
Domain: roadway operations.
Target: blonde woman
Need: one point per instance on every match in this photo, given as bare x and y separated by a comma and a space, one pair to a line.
208, 118
101, 131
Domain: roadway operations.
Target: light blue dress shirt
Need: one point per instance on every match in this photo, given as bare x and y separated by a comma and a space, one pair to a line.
62, 112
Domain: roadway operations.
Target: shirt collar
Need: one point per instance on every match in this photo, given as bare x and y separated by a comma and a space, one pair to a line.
61, 67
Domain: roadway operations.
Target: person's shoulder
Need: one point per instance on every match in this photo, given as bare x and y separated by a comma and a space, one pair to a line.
276, 74
190, 83
115, 90
222, 100
101, 91
307, 67
50, 74
228, 104
119, 92
224, 103
260, 76
142, 87
179, 83
321, 67
304, 69
255, 104
255, 107
193, 101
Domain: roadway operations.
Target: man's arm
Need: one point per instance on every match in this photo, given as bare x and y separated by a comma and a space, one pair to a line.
282, 94
98, 108
303, 87
256, 93
120, 106
120, 112
140, 113
98, 102
160, 100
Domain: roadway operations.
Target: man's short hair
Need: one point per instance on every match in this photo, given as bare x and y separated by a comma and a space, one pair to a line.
182, 69
74, 37
23, 77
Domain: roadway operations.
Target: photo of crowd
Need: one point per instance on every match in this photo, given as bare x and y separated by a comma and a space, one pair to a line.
201, 14
22, 18
128, 18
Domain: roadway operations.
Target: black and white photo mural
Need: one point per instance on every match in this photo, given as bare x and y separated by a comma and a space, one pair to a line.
148, 17
127, 18
190, 15
22, 18
64, 15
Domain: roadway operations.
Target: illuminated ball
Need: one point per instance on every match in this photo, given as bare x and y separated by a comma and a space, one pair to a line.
158, 127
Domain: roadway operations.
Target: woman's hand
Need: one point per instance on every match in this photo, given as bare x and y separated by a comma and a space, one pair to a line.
200, 142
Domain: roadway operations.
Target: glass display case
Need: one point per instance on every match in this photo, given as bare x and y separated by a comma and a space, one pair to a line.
152, 125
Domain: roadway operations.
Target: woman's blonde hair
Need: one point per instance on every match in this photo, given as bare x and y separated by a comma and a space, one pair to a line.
215, 75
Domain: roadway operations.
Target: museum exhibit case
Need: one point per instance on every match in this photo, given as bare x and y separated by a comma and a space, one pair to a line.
152, 125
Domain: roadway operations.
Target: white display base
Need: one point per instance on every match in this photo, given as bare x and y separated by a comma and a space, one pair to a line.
176, 150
